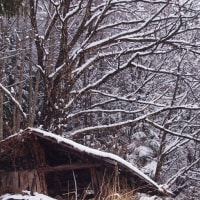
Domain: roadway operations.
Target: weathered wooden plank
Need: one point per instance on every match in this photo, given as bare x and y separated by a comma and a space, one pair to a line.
38, 153
68, 167
23, 179
5, 183
17, 181
42, 180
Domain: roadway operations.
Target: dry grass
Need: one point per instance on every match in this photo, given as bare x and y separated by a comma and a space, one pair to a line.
111, 187
117, 196
113, 193
111, 190
115, 188
131, 195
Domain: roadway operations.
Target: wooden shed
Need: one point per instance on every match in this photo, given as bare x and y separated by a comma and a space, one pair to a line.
43, 162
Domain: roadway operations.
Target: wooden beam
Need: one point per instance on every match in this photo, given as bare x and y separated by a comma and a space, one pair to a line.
68, 167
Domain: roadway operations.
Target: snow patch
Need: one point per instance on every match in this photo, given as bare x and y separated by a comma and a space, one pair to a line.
146, 197
143, 151
26, 196
150, 168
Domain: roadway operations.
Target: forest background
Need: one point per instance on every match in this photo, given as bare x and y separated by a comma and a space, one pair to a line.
117, 75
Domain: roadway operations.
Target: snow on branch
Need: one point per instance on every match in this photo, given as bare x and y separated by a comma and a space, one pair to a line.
162, 128
101, 80
51, 25
111, 73
128, 97
54, 74
105, 111
126, 33
181, 172
159, 70
41, 70
7, 92
72, 12
82, 132
85, 65
119, 98
178, 143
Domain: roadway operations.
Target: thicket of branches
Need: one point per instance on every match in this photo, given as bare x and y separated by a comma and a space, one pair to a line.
120, 75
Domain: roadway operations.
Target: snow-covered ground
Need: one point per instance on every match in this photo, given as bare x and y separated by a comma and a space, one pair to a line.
25, 196
37, 196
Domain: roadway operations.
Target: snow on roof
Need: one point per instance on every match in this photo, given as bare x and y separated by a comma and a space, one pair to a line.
96, 153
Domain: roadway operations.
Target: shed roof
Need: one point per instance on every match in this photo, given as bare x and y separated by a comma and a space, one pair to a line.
109, 158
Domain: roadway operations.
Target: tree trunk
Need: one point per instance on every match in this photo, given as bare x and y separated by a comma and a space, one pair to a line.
2, 74
1, 114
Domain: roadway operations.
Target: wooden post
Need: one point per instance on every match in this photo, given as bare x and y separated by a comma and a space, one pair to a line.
38, 153
94, 180
42, 180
